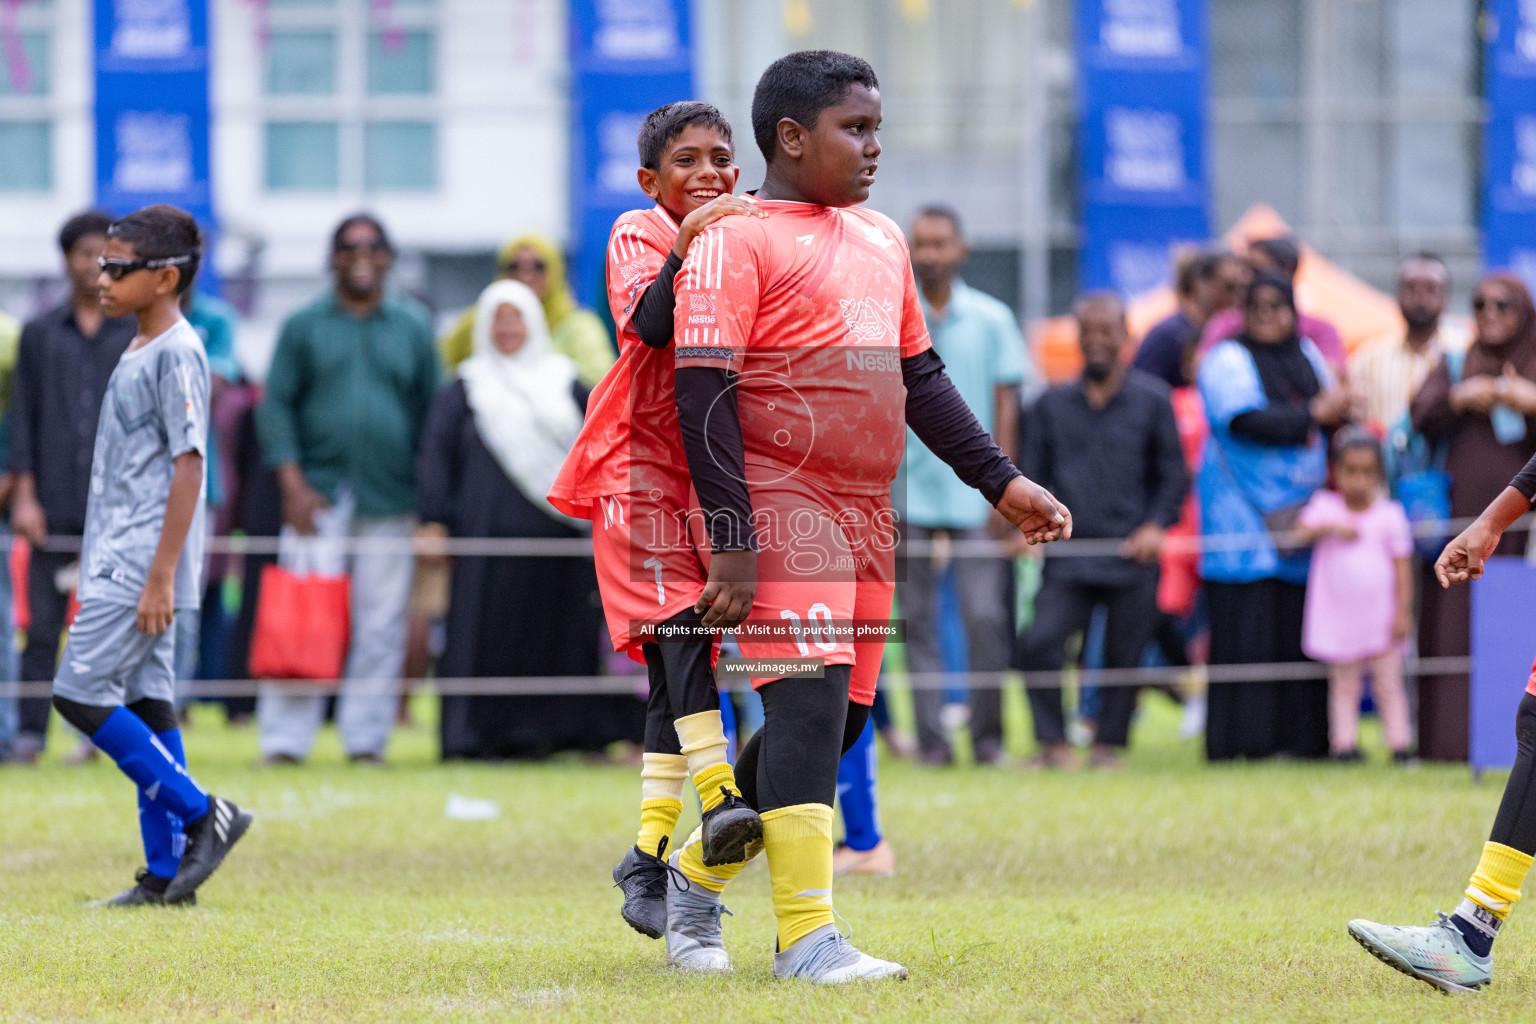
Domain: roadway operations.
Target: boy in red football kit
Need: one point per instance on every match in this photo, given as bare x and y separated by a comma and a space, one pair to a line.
628, 475
802, 356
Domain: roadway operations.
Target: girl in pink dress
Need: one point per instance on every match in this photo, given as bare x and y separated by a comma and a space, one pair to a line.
1359, 607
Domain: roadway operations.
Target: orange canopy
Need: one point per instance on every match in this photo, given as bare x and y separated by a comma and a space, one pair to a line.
1323, 289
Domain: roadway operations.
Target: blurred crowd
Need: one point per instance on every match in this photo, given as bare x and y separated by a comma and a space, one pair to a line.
1249, 492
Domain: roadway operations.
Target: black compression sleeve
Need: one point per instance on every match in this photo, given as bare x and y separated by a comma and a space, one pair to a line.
1278, 424
88, 718
652, 319
706, 412
1525, 480
943, 422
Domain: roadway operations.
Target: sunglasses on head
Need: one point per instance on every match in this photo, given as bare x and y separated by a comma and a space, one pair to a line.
366, 248
527, 267
119, 269
1480, 304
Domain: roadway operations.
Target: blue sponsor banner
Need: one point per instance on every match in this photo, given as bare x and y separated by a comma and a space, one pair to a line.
152, 116
628, 57
1141, 159
1509, 138
1502, 648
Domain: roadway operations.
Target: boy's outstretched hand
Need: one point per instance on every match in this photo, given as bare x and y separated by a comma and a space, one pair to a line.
1463, 557
725, 206
157, 605
1035, 511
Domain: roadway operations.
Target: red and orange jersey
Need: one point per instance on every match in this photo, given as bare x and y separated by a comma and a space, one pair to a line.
814, 308
630, 440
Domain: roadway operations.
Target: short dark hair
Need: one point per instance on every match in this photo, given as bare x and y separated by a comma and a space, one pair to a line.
163, 232
664, 124
1198, 266
91, 222
1355, 438
354, 220
799, 87
943, 211
1284, 252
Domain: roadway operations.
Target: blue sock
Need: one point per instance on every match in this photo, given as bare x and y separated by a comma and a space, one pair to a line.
856, 793
164, 839
143, 758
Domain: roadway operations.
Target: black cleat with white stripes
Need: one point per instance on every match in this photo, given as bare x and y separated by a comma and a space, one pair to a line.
209, 840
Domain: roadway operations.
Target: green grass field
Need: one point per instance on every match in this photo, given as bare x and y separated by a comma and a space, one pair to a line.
1167, 892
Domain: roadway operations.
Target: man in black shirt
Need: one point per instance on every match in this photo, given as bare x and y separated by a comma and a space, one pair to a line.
63, 363
1107, 445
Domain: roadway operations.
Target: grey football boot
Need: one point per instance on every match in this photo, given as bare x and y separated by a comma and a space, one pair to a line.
1436, 954
694, 942
826, 958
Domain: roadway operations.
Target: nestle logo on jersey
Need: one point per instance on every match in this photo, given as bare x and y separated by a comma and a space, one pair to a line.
882, 362
701, 302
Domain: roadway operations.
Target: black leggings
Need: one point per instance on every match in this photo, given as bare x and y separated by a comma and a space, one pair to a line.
682, 684
1515, 824
808, 724
159, 715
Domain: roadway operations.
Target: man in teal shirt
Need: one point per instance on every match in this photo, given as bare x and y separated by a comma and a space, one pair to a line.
983, 352
351, 381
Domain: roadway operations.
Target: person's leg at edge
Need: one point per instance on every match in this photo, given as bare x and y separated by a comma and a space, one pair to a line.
982, 586
1391, 697
40, 656
856, 795
1346, 684
132, 744
1456, 952
381, 594
664, 769
803, 727
694, 702
919, 609
1061, 609
1131, 613
161, 830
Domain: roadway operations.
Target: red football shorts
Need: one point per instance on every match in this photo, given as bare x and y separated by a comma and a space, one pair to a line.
649, 566
825, 565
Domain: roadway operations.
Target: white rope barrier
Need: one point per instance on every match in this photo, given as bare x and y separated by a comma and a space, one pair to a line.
581, 547
542, 686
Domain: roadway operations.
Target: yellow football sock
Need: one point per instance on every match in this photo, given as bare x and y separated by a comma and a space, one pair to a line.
798, 841
703, 742
716, 878
661, 798
1495, 885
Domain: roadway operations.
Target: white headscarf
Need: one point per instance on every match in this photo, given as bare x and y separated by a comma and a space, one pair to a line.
522, 403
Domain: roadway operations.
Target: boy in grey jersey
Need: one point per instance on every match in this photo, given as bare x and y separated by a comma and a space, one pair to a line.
142, 558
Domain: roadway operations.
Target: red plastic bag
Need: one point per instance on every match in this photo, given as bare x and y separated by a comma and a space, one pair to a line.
303, 626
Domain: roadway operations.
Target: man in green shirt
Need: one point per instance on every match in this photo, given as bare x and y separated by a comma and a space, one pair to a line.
351, 381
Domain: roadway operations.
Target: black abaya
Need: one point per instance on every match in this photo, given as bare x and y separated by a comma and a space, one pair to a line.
512, 616
1260, 622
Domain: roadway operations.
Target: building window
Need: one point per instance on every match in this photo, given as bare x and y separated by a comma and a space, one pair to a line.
303, 155
350, 91
301, 64
28, 163
401, 64
400, 155
26, 97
